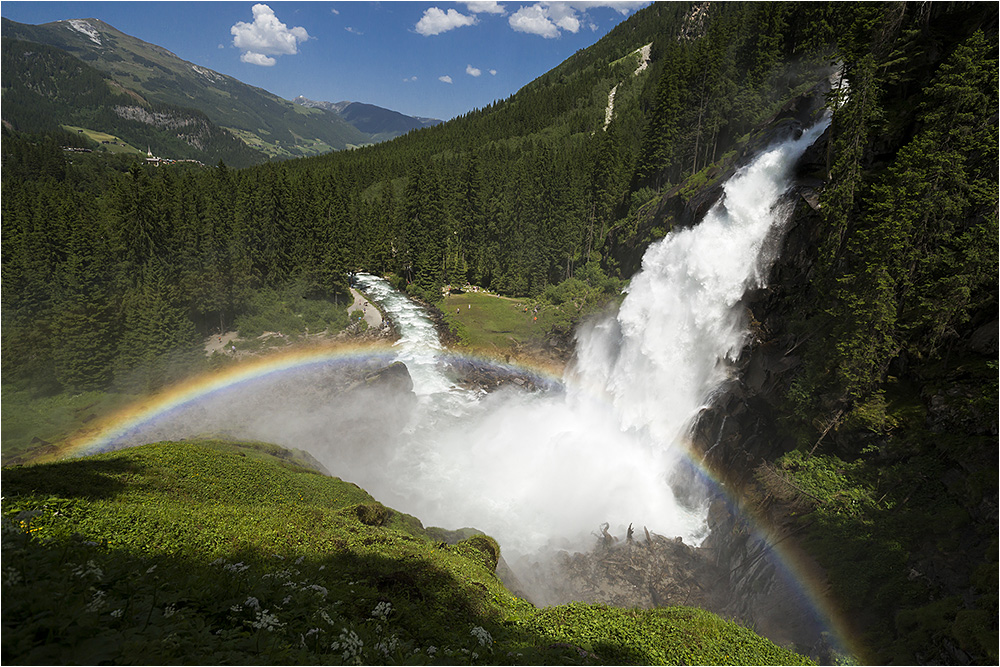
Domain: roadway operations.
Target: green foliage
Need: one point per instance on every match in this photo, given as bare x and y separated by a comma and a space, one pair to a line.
909, 251
289, 311
32, 419
209, 552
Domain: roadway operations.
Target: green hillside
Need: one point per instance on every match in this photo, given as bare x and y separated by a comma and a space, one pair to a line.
217, 552
45, 88
283, 128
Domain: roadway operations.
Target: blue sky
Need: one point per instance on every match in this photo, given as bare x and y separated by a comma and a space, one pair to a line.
433, 59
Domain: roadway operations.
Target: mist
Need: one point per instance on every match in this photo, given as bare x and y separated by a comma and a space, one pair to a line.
539, 471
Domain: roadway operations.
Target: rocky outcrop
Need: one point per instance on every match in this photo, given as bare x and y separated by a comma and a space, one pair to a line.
685, 204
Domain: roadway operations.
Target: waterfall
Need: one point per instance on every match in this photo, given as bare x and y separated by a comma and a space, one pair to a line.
542, 470
537, 471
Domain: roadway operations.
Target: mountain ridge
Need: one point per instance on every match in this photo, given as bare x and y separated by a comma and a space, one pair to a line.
371, 118
270, 125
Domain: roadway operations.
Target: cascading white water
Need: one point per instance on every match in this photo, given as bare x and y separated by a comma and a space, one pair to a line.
537, 471
544, 469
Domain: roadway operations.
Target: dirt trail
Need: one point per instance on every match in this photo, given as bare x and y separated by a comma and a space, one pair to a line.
220, 343
372, 315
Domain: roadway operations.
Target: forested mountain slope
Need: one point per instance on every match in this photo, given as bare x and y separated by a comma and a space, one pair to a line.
381, 124
45, 88
884, 303
275, 126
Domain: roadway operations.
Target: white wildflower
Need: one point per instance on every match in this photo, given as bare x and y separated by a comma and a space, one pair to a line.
350, 646
117, 613
431, 650
97, 602
319, 589
266, 621
236, 567
88, 570
252, 602
382, 610
482, 635
11, 576
387, 646
150, 570
169, 611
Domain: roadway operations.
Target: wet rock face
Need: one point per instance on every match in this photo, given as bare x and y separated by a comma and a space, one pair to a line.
644, 570
487, 377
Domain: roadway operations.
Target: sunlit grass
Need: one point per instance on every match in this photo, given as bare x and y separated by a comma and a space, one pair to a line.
217, 552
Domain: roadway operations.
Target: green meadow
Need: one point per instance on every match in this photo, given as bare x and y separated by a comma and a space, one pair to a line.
493, 323
215, 552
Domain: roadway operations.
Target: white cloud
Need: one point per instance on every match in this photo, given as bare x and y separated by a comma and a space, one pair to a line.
564, 16
434, 21
485, 7
412, 78
493, 72
353, 31
534, 20
548, 18
257, 59
266, 36
472, 71
334, 10
445, 78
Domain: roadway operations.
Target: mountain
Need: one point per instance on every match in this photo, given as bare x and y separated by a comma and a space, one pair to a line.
382, 124
47, 88
861, 420
273, 126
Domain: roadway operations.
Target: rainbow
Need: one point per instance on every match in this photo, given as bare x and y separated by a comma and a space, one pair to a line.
794, 564
103, 434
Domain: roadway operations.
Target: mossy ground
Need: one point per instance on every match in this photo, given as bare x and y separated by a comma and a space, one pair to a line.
216, 552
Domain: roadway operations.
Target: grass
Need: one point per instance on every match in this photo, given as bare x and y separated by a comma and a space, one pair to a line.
276, 149
288, 311
114, 145
488, 322
30, 423
216, 552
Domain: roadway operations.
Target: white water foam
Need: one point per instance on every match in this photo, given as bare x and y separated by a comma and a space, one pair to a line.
537, 471
542, 470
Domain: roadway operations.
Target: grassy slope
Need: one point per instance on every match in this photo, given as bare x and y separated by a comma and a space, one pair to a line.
218, 552
488, 322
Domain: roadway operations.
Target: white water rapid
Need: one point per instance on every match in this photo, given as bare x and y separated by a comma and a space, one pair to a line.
538, 471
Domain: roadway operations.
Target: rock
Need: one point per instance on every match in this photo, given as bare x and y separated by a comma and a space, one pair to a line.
395, 376
986, 339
